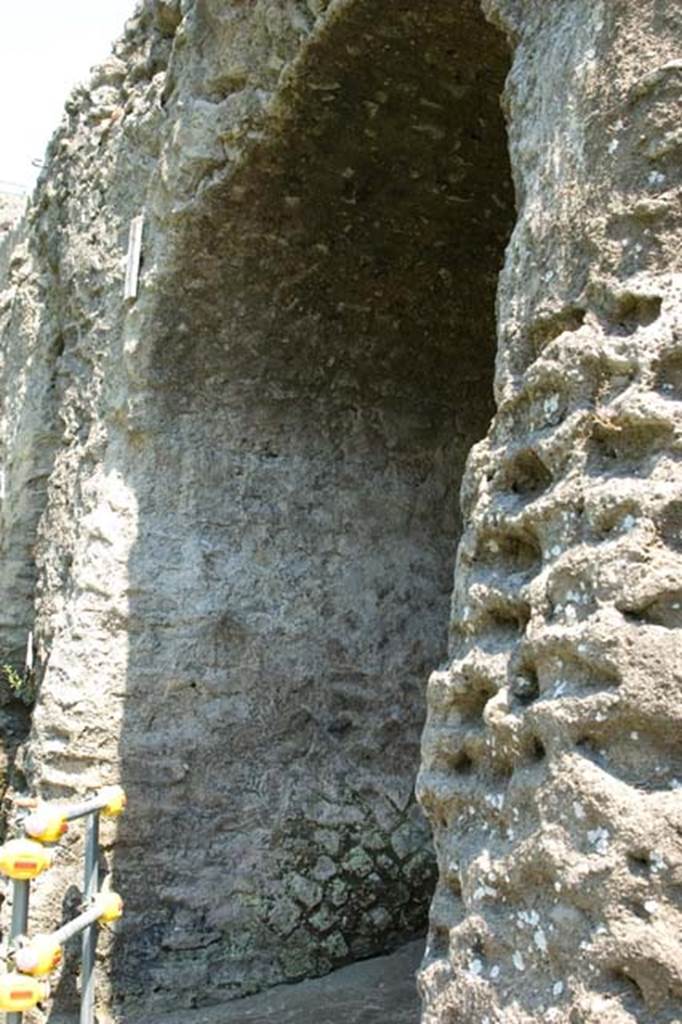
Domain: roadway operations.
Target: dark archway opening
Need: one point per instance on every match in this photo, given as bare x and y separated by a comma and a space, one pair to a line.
322, 363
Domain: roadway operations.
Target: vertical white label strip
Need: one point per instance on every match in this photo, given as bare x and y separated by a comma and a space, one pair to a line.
29, 653
134, 256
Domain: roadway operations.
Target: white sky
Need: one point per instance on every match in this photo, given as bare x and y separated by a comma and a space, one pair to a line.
46, 47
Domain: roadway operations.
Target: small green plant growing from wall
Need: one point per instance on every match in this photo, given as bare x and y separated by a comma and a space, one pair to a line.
20, 684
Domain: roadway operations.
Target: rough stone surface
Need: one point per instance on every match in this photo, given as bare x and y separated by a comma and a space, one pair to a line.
229, 508
241, 489
373, 991
551, 759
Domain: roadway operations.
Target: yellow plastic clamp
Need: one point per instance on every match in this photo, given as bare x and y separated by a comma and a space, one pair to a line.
23, 859
39, 956
109, 905
116, 795
47, 824
19, 992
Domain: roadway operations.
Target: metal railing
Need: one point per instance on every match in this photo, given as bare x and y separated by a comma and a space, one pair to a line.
26, 858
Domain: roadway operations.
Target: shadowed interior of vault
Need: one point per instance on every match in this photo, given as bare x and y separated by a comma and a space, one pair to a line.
322, 364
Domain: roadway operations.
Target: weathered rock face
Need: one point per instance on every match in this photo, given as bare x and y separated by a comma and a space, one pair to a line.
367, 992
295, 477
246, 547
230, 505
551, 760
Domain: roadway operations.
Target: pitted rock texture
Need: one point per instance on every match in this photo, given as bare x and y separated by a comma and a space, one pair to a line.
552, 768
229, 512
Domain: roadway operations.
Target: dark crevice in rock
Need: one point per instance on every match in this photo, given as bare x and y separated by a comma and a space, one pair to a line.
547, 328
664, 610
525, 475
669, 375
627, 987
628, 312
626, 449
670, 525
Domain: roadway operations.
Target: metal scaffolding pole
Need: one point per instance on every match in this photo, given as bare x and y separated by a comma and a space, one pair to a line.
19, 925
90, 887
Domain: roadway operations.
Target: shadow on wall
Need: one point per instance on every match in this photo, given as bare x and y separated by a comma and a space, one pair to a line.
321, 364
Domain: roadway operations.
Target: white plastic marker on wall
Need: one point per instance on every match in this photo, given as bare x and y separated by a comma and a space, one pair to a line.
30, 654
134, 257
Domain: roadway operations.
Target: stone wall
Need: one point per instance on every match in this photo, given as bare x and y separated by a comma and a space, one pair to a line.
246, 532
230, 505
551, 760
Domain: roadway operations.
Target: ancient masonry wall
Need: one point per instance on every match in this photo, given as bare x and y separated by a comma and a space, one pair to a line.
61, 312
151, 526
237, 563
552, 763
